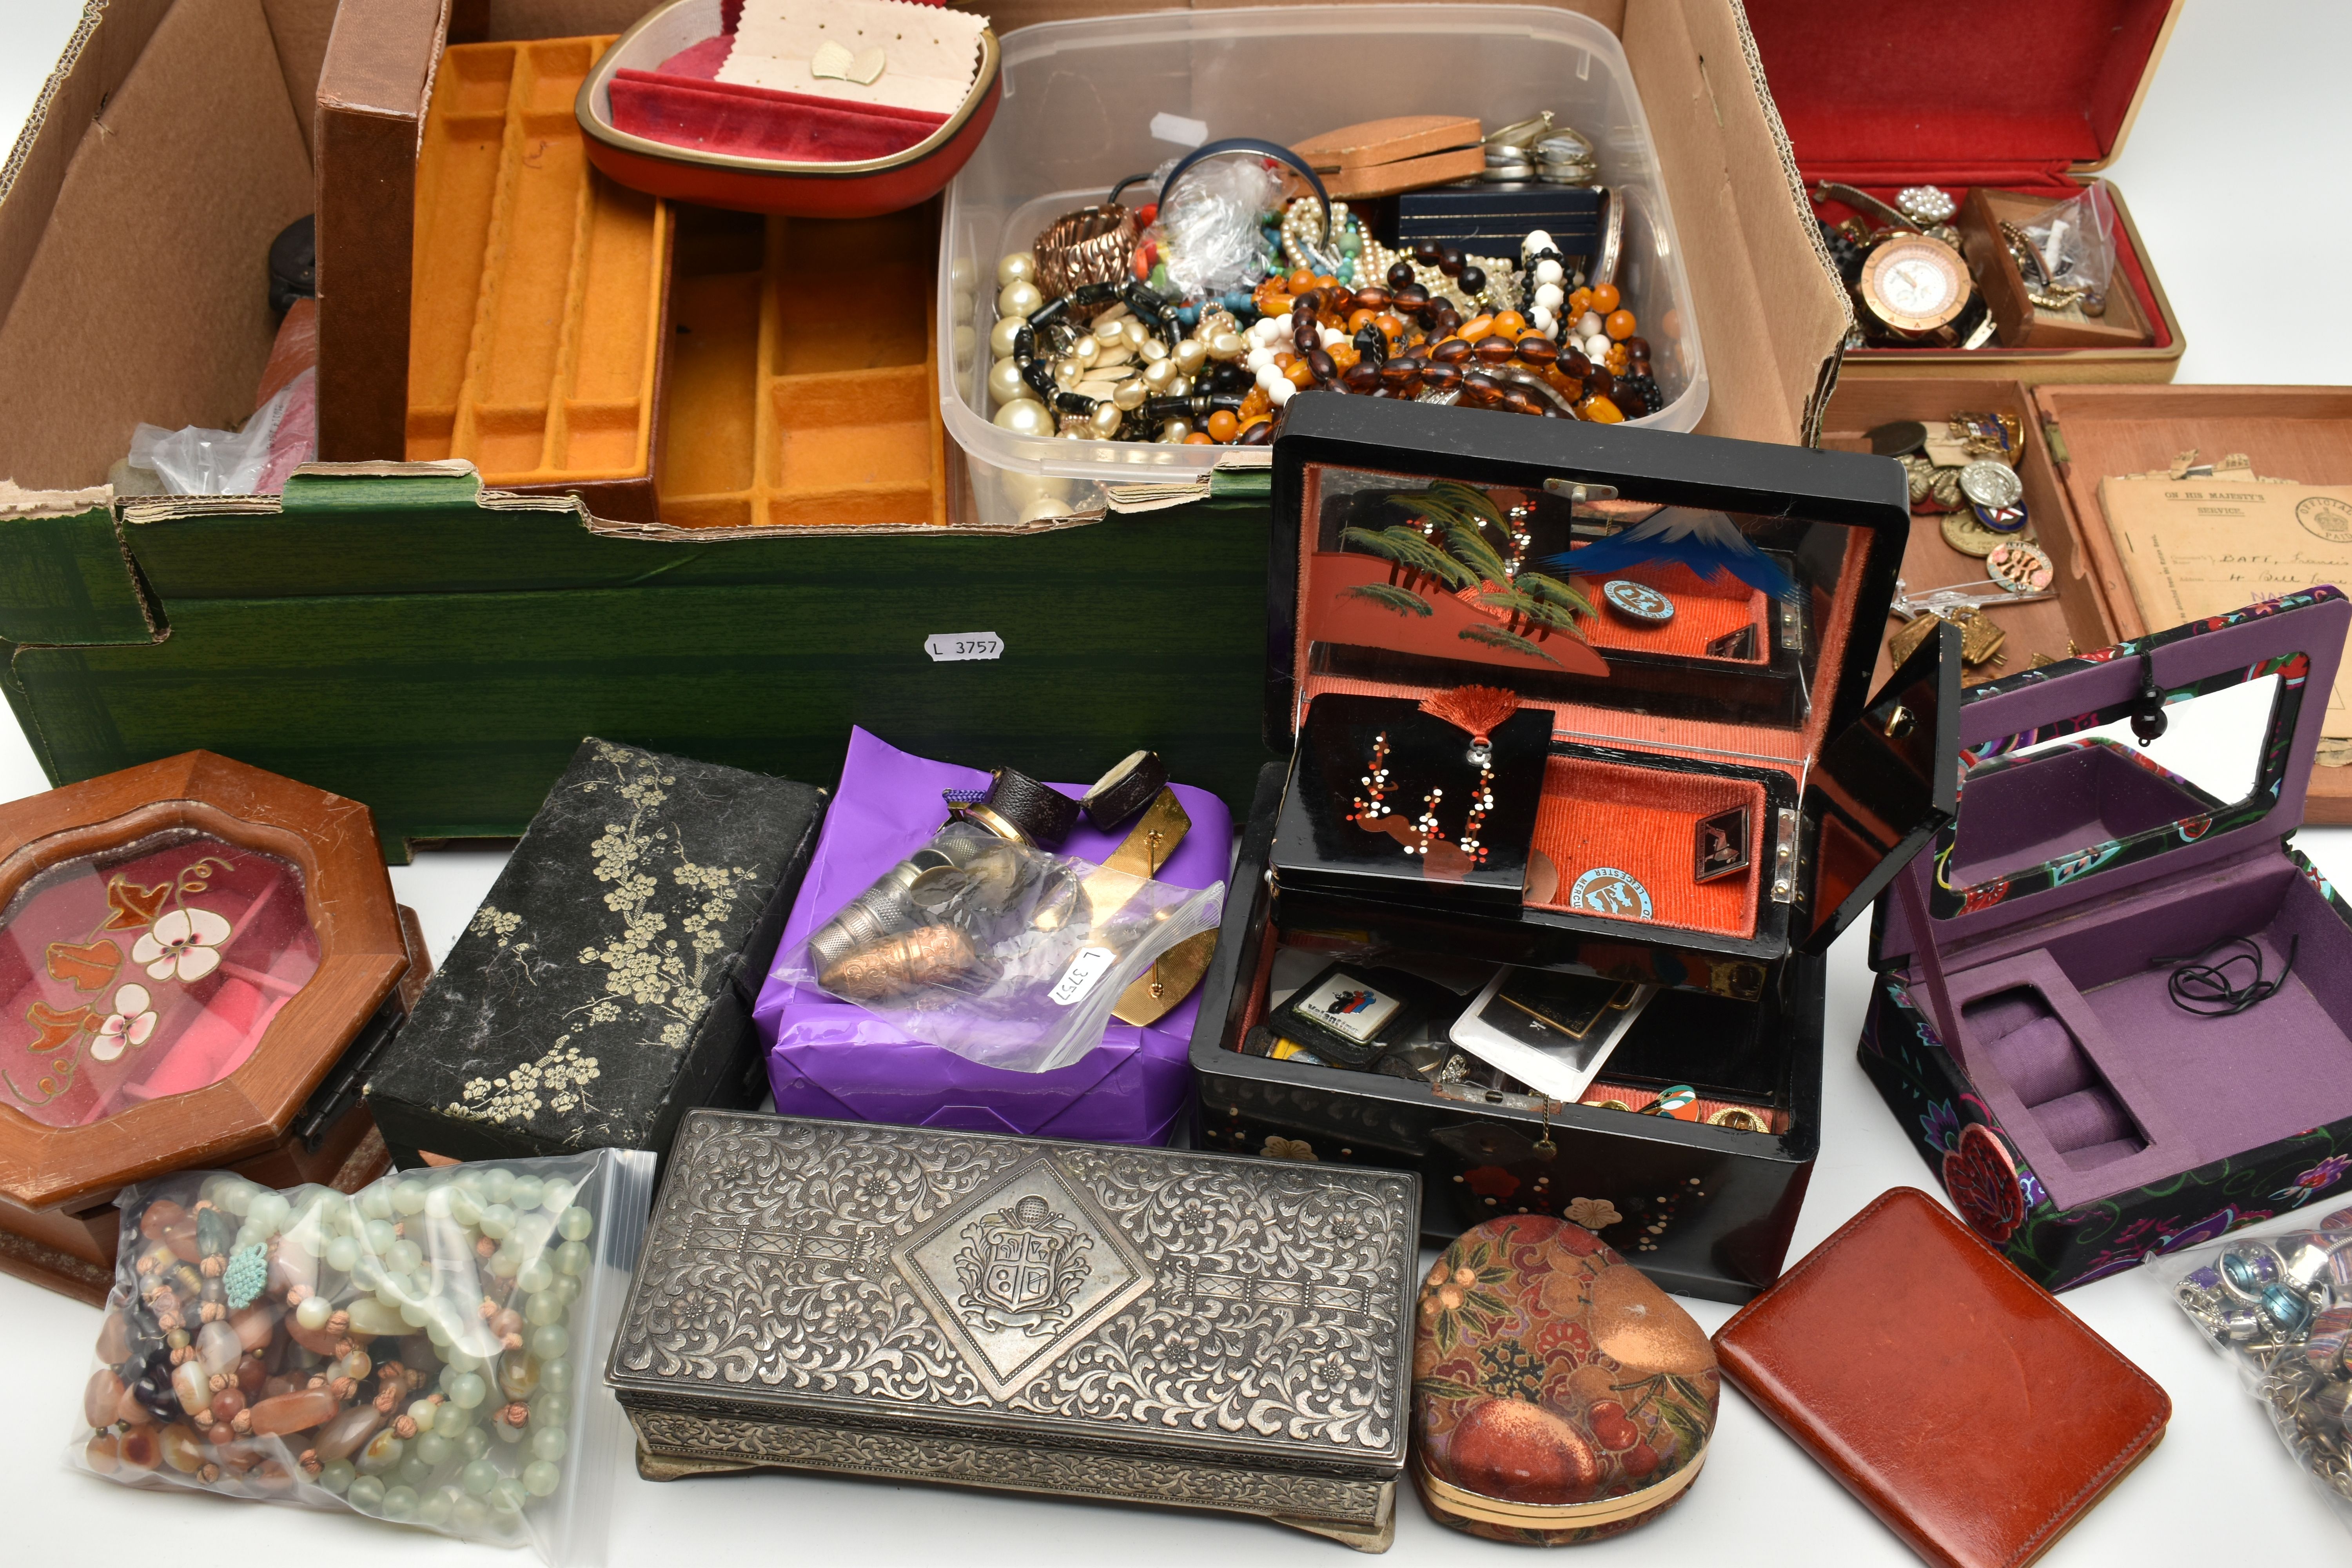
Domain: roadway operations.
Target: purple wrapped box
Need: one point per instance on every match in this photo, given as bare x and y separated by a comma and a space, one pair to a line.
2084, 1099
833, 1058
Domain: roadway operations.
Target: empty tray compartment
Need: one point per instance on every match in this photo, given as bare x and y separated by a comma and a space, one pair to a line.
536, 323
785, 404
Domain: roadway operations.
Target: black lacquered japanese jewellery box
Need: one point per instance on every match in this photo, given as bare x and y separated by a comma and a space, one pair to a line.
1088, 1320
1569, 708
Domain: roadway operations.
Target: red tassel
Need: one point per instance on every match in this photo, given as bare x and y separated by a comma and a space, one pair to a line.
1479, 710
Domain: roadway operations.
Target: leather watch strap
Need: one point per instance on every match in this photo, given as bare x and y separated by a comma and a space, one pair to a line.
1127, 789
1036, 814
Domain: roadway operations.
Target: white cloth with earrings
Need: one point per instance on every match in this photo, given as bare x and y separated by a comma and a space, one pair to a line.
886, 52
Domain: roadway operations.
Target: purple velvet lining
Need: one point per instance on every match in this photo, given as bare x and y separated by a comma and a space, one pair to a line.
2029, 1050
829, 1059
2041, 807
2238, 1082
2202, 1087
2317, 630
2041, 1062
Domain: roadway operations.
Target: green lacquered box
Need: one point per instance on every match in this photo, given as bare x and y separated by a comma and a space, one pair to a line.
401, 637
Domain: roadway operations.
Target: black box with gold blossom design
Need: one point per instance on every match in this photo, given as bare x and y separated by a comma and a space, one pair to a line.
603, 988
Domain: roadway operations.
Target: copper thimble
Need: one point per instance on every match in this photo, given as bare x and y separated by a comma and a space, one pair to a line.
926, 957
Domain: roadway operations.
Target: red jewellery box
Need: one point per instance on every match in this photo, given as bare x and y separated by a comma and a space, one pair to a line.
2114, 1005
2006, 106
658, 121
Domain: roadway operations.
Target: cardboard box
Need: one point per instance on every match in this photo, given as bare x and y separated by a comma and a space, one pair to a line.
2073, 436
2078, 619
388, 633
2004, 94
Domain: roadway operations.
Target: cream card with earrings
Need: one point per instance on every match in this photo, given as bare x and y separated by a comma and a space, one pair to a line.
886, 52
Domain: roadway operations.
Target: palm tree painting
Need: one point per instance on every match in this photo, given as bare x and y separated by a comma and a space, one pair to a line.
1451, 551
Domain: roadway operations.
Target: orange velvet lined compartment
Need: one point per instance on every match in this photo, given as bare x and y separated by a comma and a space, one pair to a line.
535, 324
1645, 821
801, 390
1833, 616
1705, 609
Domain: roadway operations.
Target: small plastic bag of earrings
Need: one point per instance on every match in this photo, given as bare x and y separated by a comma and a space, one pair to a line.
428, 1351
2072, 253
1001, 953
1207, 231
2276, 1302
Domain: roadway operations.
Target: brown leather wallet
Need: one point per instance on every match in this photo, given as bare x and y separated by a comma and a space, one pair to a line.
1972, 1413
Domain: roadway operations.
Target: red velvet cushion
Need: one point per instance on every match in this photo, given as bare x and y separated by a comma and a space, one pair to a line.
756, 123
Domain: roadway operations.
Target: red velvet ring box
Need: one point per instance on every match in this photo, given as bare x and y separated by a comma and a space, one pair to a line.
2052, 1019
2000, 95
1575, 838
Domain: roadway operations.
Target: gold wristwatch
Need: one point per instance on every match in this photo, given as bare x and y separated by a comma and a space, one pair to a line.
1915, 290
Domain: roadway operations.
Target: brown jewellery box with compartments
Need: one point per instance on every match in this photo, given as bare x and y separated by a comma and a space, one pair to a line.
1747, 698
485, 294
2023, 101
2079, 619
2072, 438
197, 960
2089, 433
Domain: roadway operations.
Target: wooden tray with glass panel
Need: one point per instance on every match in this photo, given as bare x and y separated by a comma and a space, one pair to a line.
196, 957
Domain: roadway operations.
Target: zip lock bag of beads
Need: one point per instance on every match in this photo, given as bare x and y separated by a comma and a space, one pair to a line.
2276, 1302
426, 1351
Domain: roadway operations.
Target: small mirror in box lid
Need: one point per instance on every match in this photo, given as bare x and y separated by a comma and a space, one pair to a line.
1558, 1396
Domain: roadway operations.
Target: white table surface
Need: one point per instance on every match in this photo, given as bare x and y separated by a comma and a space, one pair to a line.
2228, 173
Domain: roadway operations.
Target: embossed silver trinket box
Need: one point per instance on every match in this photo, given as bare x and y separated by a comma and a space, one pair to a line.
1129, 1324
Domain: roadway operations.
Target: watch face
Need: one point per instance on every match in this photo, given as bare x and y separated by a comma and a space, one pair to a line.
1915, 284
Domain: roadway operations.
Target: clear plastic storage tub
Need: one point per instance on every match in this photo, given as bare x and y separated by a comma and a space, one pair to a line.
1081, 98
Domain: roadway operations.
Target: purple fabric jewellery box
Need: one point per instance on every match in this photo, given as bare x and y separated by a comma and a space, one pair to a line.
2036, 1025
834, 1060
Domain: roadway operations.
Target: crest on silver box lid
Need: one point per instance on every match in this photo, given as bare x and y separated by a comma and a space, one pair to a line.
1257, 1311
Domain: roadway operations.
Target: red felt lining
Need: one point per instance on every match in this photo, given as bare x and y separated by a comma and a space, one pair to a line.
1878, 181
759, 123
1935, 85
1645, 821
683, 104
